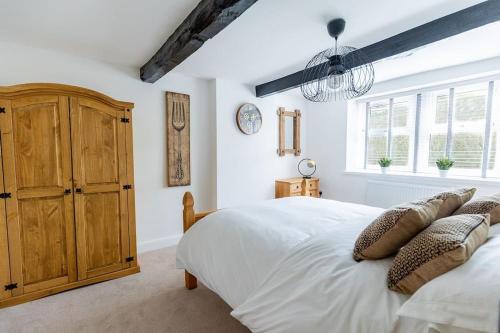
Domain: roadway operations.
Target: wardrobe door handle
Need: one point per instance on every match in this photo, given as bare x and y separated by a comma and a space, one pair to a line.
78, 190
67, 191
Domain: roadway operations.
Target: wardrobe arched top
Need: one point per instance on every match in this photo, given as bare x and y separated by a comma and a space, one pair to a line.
34, 89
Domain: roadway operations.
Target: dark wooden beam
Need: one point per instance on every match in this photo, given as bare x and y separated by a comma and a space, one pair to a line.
444, 27
204, 22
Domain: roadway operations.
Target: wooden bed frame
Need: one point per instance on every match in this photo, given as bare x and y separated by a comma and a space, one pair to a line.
189, 219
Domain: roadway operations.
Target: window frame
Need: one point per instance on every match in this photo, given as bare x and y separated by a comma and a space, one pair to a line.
415, 126
390, 131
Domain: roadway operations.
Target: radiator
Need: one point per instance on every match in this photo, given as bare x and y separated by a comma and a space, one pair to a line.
386, 194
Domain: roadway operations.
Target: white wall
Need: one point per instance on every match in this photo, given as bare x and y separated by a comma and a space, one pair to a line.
248, 165
326, 142
227, 167
159, 218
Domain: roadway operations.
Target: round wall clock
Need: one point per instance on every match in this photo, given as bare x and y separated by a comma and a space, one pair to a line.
249, 119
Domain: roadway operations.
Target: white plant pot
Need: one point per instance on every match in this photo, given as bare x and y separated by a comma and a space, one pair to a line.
443, 173
385, 170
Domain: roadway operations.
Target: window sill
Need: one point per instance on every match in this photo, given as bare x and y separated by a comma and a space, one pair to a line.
426, 178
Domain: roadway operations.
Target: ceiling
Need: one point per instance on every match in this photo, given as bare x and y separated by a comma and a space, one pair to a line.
121, 32
271, 39
275, 38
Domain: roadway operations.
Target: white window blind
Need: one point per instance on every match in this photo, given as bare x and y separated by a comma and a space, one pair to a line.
494, 143
460, 122
390, 132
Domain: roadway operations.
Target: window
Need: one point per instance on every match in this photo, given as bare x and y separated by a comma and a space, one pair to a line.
461, 122
390, 132
378, 123
494, 143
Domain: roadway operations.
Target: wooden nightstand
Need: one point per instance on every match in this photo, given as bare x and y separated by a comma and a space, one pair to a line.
296, 187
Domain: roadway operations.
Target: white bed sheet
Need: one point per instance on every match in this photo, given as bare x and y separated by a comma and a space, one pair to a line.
231, 251
319, 288
289, 261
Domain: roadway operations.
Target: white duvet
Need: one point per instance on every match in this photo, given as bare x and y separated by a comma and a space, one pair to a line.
233, 250
286, 266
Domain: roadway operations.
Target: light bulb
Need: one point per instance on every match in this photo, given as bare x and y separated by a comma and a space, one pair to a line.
335, 82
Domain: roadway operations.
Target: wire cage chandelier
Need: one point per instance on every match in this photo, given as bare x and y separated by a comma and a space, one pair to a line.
338, 73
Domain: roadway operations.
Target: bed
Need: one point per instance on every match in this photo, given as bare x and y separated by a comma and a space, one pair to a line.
285, 265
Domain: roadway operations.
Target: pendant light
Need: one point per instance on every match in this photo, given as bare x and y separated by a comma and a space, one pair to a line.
338, 73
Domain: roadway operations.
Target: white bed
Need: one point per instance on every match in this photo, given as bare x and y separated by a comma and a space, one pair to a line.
286, 266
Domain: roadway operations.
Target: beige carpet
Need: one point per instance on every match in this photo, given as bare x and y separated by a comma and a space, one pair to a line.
151, 301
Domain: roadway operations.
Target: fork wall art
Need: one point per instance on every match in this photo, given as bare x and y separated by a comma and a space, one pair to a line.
178, 143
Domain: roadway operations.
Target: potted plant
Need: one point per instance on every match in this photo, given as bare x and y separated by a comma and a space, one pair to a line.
444, 164
385, 163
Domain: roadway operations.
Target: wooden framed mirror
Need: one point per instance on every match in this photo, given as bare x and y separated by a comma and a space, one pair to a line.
289, 132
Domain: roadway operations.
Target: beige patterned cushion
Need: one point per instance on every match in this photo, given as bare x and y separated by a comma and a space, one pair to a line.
446, 244
394, 228
453, 200
484, 205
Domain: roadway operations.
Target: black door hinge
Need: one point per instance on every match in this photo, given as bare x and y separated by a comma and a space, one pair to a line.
2, 110
124, 120
5, 195
10, 286
127, 187
129, 259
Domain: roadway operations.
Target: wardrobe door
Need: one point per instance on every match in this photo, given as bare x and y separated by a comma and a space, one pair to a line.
100, 176
5, 282
37, 174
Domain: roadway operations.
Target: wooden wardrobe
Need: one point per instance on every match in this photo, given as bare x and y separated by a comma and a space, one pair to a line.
67, 215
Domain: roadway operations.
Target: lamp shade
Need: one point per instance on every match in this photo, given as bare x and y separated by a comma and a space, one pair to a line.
307, 167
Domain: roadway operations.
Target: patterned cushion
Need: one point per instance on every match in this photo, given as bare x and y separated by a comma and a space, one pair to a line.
394, 228
446, 244
484, 205
453, 200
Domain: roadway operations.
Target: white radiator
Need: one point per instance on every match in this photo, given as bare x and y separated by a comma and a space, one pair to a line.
386, 194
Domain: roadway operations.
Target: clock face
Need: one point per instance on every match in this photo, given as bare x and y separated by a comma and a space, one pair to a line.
249, 119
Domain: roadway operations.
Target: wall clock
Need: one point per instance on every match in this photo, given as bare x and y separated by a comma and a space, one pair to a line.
249, 119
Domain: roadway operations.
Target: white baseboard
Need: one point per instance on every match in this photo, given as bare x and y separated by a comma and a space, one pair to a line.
159, 243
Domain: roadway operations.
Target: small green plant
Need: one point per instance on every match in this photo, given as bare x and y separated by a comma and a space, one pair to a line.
384, 162
444, 163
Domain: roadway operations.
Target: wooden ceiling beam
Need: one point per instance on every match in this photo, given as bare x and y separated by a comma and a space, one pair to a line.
204, 22
444, 27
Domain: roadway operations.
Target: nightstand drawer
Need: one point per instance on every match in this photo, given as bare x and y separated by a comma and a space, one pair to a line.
311, 185
312, 193
296, 187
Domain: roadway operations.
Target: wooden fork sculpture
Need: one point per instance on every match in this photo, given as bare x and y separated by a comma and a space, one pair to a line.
178, 123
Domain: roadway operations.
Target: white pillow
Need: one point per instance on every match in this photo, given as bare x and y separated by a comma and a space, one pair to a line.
466, 297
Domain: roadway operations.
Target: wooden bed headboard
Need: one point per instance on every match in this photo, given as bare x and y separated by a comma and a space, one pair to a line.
189, 218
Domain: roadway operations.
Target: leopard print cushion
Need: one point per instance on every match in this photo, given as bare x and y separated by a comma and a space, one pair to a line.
394, 228
453, 200
446, 244
485, 205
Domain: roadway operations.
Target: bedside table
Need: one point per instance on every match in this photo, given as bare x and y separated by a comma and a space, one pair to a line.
297, 187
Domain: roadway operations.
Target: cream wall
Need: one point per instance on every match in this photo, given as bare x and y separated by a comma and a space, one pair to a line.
159, 218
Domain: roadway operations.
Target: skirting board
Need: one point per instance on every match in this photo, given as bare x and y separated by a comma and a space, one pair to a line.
158, 243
